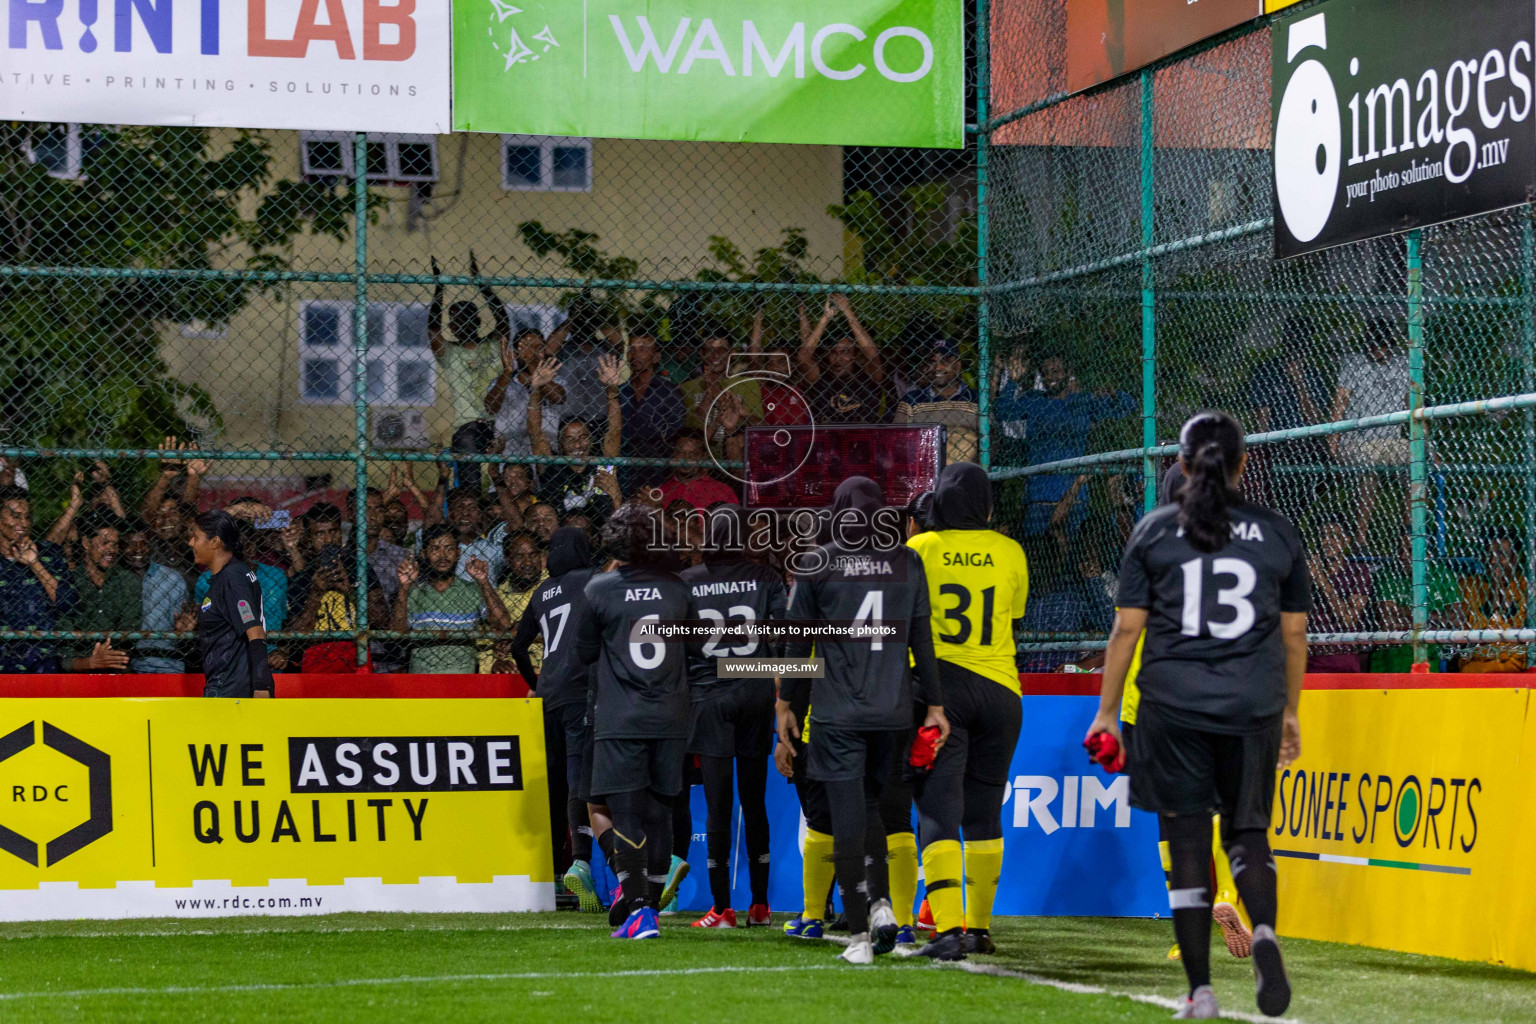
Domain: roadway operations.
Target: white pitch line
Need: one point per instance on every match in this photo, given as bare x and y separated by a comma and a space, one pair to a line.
427, 979
141, 934
1075, 988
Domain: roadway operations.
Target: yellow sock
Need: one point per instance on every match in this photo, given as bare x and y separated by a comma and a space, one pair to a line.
817, 874
1226, 887
1165, 855
983, 868
901, 850
942, 869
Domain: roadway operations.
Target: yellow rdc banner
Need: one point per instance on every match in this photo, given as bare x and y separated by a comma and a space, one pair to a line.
185, 807
1401, 824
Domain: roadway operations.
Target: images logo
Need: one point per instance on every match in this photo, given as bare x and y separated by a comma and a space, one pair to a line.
1308, 136
99, 766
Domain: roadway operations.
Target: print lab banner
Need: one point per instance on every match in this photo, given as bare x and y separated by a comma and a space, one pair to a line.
1407, 823
342, 65
836, 72
176, 807
1392, 114
1107, 38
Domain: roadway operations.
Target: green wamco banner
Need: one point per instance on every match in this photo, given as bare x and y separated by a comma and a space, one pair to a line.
842, 72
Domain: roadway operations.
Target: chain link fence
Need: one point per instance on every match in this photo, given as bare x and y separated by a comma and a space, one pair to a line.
196, 318
1133, 283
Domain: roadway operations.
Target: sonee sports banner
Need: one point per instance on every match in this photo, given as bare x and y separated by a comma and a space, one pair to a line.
175, 807
835, 72
1393, 114
339, 65
1406, 823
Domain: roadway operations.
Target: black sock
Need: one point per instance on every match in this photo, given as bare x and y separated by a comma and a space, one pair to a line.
605, 844
581, 828
1189, 897
1253, 869
849, 811
717, 772
631, 846
752, 789
658, 857
877, 867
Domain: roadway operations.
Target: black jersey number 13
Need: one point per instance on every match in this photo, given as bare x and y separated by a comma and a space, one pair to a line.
962, 605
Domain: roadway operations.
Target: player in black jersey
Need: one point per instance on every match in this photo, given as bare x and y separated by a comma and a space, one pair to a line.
556, 610
1220, 586
864, 704
641, 712
231, 622
733, 718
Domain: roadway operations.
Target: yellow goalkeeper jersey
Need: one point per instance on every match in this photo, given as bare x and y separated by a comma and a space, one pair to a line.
1130, 699
978, 582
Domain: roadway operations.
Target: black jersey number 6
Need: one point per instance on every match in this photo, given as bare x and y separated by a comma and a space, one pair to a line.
962, 605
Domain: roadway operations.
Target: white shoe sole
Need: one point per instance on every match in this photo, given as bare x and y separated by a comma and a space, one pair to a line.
861, 955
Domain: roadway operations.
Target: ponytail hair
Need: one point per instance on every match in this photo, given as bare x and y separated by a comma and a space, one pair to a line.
1211, 448
219, 525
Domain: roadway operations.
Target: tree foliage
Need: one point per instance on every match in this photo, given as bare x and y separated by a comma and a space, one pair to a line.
80, 354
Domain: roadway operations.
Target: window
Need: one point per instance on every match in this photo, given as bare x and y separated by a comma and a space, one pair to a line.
61, 149
543, 163
401, 370
391, 157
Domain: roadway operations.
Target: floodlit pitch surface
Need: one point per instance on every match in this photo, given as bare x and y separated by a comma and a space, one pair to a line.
563, 967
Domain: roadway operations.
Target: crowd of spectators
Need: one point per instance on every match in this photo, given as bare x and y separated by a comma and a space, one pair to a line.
468, 553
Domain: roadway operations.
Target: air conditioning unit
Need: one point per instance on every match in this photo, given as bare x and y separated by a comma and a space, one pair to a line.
398, 428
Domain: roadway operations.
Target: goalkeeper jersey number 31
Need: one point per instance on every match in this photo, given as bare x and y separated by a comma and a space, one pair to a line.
978, 581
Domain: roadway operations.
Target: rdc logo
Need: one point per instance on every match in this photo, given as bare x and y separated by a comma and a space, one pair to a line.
1308, 136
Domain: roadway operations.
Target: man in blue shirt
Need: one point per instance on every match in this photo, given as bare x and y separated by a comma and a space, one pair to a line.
1057, 423
651, 404
35, 588
165, 600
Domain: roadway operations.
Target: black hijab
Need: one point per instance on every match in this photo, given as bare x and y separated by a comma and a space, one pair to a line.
856, 494
962, 499
569, 549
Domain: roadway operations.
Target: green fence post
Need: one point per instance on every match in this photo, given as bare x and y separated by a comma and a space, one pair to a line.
360, 384
1148, 303
1527, 417
1418, 434
983, 306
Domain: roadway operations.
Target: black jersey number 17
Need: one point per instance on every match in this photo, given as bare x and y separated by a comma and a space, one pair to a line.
962, 605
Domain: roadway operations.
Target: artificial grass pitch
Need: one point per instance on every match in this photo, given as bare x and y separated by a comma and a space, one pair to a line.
563, 967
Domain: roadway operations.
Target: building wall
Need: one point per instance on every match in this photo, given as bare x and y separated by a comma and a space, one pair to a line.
657, 202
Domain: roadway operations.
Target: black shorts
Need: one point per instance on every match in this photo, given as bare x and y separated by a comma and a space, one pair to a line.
847, 755
626, 765
1177, 770
734, 720
566, 735
984, 722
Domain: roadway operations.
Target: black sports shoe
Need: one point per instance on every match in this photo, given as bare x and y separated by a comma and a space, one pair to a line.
618, 911
948, 946
1269, 972
979, 940
838, 923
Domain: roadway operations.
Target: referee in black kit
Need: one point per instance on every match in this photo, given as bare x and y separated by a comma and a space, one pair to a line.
231, 625
1220, 586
